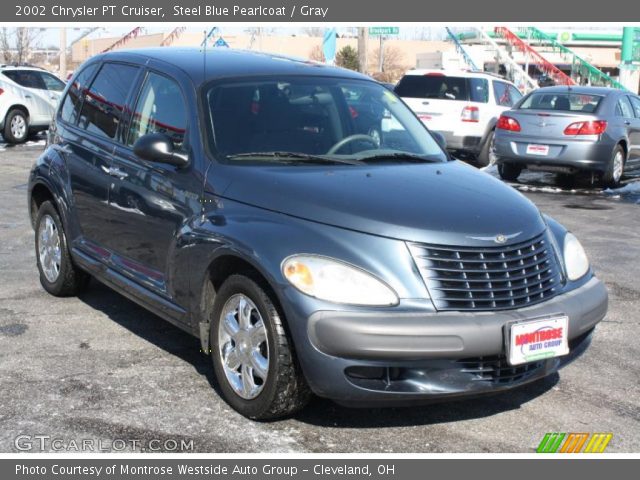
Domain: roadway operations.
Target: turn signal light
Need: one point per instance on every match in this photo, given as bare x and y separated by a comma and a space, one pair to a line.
508, 123
470, 114
591, 127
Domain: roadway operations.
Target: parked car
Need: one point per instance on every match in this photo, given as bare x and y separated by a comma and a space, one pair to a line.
571, 130
242, 204
463, 106
28, 99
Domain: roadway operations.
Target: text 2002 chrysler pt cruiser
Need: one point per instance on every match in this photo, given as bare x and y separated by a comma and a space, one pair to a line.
306, 226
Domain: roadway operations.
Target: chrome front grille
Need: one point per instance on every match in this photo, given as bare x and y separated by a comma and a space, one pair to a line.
488, 278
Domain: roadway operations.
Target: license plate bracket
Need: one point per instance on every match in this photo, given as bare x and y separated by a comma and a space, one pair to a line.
536, 149
537, 339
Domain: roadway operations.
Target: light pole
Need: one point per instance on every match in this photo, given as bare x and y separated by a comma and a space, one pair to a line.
63, 53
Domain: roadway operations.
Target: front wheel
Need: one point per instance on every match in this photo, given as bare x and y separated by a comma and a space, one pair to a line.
253, 359
509, 171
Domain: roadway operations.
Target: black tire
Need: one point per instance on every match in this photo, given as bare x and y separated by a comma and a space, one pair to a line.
484, 157
509, 171
285, 390
610, 179
13, 115
70, 280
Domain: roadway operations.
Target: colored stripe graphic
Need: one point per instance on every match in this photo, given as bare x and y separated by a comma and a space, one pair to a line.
573, 442
598, 443
550, 443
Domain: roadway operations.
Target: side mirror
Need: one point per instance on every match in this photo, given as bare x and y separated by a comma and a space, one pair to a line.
157, 147
438, 137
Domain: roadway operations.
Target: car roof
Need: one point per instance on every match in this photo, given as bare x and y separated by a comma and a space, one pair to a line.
456, 73
580, 90
22, 67
227, 62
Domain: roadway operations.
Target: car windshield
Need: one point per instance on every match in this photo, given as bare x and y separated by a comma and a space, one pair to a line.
565, 102
312, 120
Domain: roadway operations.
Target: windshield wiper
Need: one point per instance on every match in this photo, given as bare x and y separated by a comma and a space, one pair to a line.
410, 157
292, 157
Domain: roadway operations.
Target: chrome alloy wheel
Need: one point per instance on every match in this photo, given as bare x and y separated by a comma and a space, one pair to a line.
18, 126
618, 166
49, 251
243, 346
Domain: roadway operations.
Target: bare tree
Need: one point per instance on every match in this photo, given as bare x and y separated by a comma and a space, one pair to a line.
316, 54
5, 45
314, 31
17, 43
392, 61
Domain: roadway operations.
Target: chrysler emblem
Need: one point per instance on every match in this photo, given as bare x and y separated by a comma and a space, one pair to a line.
499, 238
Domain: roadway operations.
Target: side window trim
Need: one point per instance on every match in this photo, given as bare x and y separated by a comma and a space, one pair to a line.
126, 126
59, 118
116, 141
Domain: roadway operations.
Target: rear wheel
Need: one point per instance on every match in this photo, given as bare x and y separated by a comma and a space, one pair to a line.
16, 126
486, 157
509, 171
615, 169
252, 356
58, 275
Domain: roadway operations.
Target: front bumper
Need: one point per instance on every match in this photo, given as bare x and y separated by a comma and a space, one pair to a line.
568, 156
378, 358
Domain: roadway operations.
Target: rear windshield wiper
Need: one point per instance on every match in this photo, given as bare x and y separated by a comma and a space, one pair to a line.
409, 157
292, 157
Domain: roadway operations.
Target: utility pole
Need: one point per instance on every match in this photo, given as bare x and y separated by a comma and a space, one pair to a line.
363, 48
63, 53
381, 54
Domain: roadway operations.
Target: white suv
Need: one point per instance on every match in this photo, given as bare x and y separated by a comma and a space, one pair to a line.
463, 106
28, 99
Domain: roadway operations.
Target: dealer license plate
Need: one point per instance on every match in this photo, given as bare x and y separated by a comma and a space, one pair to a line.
534, 340
533, 149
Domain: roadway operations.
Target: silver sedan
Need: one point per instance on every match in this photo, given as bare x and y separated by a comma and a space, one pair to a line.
569, 130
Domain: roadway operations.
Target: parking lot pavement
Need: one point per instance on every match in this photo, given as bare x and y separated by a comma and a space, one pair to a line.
99, 367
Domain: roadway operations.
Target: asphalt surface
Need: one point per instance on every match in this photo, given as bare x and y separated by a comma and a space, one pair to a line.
101, 368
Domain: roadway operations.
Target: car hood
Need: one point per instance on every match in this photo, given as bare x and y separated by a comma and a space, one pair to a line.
442, 203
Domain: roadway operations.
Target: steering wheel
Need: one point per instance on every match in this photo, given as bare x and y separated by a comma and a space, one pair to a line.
352, 138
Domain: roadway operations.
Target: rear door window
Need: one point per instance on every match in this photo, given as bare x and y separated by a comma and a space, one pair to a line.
26, 78
624, 108
161, 108
52, 82
73, 99
104, 103
506, 95
635, 101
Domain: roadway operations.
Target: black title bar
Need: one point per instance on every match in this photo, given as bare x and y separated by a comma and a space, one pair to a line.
355, 11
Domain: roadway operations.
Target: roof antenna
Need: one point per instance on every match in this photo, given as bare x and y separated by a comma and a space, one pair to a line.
204, 56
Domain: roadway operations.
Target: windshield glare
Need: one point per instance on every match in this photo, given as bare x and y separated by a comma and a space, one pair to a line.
323, 118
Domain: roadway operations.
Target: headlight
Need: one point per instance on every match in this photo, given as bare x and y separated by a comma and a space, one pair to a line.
575, 258
335, 281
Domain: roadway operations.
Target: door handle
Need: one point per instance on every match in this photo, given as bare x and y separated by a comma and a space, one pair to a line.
27, 96
116, 172
627, 122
